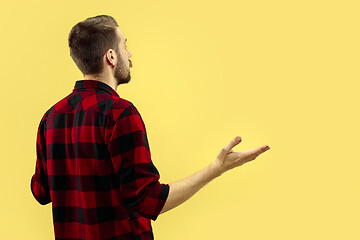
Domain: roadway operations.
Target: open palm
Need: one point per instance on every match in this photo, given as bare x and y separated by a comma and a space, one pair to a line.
228, 158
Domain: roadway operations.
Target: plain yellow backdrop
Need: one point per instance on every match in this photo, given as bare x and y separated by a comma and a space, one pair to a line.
281, 73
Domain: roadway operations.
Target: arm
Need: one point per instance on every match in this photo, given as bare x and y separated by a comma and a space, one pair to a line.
39, 181
182, 190
137, 176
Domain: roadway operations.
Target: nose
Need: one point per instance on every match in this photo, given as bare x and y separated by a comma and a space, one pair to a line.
129, 54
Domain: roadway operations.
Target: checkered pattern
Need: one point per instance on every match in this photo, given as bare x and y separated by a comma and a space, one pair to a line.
94, 165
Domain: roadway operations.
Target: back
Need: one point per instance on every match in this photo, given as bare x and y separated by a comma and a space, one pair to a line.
94, 165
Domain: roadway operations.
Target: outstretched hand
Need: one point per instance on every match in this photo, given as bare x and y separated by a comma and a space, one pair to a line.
228, 159
182, 190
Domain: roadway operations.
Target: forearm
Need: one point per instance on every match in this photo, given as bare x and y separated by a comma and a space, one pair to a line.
182, 190
227, 159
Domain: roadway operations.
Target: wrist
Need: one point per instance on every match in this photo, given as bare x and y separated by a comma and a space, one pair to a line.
216, 169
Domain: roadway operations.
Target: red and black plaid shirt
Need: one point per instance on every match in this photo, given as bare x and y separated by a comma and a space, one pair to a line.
94, 165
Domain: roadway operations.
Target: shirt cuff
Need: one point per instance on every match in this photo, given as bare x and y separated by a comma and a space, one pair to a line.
164, 193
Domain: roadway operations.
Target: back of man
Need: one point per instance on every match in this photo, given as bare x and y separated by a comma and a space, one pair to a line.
94, 165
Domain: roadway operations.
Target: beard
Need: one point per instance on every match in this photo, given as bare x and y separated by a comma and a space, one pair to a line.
119, 70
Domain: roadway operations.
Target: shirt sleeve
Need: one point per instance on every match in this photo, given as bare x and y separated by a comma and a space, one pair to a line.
39, 181
134, 169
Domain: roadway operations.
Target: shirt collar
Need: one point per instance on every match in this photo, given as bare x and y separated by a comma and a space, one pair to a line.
86, 84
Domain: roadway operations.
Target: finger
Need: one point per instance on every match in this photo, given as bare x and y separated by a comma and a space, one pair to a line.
259, 150
225, 150
232, 144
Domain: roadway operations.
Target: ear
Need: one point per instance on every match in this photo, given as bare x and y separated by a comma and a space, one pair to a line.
110, 57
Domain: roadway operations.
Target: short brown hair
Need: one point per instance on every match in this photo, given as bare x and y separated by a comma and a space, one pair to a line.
90, 39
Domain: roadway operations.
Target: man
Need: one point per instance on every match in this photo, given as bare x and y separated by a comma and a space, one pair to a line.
93, 157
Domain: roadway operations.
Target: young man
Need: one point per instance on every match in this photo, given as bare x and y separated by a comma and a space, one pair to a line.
93, 157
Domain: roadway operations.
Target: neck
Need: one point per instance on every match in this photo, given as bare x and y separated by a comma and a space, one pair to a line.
109, 81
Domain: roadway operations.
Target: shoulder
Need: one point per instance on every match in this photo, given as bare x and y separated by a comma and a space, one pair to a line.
111, 106
120, 108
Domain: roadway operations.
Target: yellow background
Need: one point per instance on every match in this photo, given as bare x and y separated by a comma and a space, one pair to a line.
282, 73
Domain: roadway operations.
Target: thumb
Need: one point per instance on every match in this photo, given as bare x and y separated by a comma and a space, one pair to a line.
235, 141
